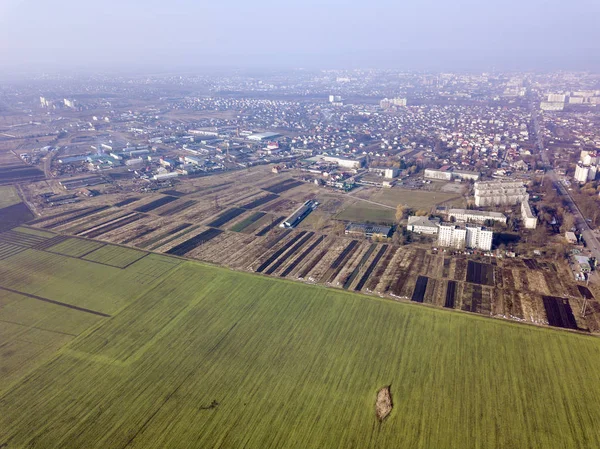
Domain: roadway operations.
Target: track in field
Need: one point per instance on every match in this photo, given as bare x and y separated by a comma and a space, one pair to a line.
279, 252
356, 270
365, 276
289, 253
302, 256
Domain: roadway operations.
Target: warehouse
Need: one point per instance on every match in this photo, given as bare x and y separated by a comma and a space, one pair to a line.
260, 137
300, 214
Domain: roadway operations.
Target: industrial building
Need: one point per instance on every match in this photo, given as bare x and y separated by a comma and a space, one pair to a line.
465, 236
447, 174
499, 193
260, 137
300, 214
476, 216
529, 219
423, 225
345, 162
368, 230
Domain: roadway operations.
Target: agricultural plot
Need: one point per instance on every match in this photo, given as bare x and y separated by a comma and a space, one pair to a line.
174, 368
8, 196
559, 312
283, 186
190, 244
226, 217
415, 199
115, 256
127, 201
240, 226
155, 204
14, 215
260, 201
270, 226
480, 273
75, 247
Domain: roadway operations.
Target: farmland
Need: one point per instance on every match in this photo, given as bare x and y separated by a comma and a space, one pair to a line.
198, 356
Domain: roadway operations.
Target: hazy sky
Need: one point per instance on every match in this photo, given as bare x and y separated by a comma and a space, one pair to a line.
405, 34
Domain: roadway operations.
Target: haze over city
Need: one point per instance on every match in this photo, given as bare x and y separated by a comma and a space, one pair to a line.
185, 34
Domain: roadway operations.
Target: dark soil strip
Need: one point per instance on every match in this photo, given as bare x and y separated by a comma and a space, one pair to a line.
363, 261
111, 227
15, 215
480, 273
279, 252
476, 298
185, 247
179, 208
127, 201
51, 301
283, 186
420, 287
62, 214
267, 228
260, 201
226, 217
292, 250
271, 243
313, 263
161, 236
585, 292
446, 269
175, 237
450, 294
374, 279
339, 263
559, 313
140, 235
156, 204
239, 227
76, 217
21, 239
302, 256
365, 276
11, 251
176, 193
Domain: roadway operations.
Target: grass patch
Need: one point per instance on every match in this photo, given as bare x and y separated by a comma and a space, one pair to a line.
8, 196
361, 211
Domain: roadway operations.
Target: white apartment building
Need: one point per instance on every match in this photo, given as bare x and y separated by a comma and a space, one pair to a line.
448, 175
499, 193
557, 98
476, 216
529, 219
465, 236
585, 173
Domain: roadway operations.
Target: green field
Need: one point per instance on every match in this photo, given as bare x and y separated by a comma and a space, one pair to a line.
195, 356
415, 199
8, 196
363, 211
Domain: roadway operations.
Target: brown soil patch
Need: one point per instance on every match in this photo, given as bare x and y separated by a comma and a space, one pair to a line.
384, 405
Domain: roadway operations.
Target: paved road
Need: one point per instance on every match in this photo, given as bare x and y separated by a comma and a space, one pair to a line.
590, 239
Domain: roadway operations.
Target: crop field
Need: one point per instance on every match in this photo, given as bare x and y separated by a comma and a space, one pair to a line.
8, 196
416, 199
167, 353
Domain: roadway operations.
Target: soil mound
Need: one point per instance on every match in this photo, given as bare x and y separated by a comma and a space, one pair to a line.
384, 404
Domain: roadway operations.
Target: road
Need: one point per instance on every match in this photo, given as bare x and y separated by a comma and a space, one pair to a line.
580, 222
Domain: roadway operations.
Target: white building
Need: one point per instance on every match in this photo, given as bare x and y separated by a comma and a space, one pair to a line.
423, 225
345, 161
529, 219
476, 216
69, 103
547, 106
465, 236
438, 174
556, 98
499, 193
585, 173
